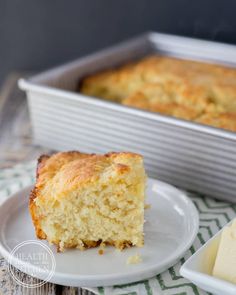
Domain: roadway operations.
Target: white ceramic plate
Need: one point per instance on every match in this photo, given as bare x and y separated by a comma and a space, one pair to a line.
198, 269
170, 229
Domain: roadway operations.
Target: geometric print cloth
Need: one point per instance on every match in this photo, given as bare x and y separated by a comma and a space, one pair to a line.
214, 214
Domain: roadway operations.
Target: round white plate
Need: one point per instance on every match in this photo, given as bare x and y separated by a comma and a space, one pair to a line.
170, 229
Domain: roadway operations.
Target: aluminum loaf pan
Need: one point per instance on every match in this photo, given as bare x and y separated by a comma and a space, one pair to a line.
186, 154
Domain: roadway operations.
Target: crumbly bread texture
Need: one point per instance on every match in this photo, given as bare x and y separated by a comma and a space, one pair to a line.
190, 90
84, 200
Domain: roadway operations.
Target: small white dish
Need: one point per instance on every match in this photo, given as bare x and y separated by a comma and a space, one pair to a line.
170, 229
198, 269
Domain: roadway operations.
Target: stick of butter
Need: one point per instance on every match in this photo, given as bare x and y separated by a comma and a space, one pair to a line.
225, 264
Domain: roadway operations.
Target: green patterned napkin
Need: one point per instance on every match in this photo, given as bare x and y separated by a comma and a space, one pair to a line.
214, 215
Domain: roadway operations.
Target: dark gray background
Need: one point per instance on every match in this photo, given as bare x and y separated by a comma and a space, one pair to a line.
36, 34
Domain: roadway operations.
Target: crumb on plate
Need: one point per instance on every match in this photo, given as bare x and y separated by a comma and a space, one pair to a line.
147, 206
135, 259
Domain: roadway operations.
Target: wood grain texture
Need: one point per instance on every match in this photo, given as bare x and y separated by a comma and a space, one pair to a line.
9, 287
16, 146
15, 131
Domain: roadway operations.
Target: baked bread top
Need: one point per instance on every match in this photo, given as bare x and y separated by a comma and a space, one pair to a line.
63, 172
182, 88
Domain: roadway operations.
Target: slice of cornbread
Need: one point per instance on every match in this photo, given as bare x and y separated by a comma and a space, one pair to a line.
83, 200
225, 264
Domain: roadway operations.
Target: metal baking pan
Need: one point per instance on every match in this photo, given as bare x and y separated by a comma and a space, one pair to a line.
186, 154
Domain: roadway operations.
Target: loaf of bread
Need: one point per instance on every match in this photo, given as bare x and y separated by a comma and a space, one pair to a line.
82, 200
190, 90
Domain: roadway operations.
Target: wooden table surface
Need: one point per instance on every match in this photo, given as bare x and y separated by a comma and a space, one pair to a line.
16, 146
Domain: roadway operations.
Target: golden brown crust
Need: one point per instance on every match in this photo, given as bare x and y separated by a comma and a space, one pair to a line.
33, 194
67, 164
32, 208
121, 245
181, 88
225, 120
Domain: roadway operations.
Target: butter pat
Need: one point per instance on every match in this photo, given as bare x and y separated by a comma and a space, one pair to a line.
225, 264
